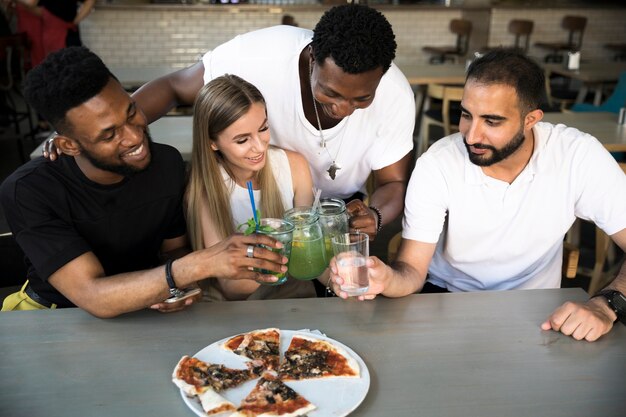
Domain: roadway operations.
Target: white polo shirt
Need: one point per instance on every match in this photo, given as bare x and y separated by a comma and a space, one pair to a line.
492, 235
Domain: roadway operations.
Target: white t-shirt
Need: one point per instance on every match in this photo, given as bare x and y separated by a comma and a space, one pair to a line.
492, 235
239, 198
370, 139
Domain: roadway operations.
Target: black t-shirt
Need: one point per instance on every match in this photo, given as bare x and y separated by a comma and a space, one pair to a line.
57, 214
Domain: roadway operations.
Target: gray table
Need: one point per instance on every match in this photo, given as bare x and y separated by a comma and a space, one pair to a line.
171, 130
477, 354
602, 125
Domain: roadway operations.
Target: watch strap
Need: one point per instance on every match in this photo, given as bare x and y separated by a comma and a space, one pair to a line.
616, 302
174, 291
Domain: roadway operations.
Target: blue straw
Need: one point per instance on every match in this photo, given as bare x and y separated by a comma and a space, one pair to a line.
251, 193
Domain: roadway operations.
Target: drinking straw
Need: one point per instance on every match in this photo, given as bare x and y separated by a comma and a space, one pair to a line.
316, 202
251, 194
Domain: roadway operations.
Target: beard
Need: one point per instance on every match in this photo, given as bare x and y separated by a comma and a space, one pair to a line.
497, 155
121, 168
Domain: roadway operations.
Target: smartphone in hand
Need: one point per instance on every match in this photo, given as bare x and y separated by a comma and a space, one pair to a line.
188, 292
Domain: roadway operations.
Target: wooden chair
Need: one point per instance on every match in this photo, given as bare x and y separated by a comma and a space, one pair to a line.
462, 29
603, 247
571, 255
447, 116
575, 27
559, 92
521, 30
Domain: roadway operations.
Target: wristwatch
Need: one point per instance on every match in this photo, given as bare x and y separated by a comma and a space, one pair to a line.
174, 291
616, 301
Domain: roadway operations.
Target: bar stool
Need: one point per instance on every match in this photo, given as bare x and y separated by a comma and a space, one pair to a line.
575, 25
521, 30
463, 29
13, 51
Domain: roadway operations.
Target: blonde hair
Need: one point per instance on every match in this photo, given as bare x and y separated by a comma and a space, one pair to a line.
218, 105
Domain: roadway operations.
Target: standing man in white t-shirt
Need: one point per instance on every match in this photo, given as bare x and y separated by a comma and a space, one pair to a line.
487, 208
333, 95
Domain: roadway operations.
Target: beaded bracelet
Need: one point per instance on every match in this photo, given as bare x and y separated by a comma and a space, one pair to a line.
379, 215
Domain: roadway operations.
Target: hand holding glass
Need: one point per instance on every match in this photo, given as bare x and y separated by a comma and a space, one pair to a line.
351, 252
281, 230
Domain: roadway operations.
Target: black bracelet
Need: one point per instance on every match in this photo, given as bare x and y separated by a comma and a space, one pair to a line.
379, 215
174, 291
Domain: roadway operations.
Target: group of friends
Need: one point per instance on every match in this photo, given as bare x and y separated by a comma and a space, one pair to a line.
291, 109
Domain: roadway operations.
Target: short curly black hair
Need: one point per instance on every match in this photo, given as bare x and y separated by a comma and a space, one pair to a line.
65, 79
358, 38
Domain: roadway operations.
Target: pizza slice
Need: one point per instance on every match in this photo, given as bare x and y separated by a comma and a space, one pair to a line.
204, 380
213, 403
193, 376
308, 358
261, 346
271, 397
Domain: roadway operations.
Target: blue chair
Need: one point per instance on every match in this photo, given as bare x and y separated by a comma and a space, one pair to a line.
616, 101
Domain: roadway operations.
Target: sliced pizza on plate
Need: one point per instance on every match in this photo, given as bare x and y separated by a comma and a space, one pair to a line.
205, 380
308, 357
271, 397
261, 346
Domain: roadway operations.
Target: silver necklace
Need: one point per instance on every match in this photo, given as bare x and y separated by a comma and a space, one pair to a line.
334, 166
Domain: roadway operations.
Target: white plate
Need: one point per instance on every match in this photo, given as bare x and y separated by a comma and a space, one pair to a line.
332, 396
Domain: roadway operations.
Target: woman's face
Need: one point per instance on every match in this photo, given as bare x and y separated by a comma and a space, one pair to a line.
244, 143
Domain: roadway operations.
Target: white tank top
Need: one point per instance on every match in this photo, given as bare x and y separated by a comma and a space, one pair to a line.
239, 199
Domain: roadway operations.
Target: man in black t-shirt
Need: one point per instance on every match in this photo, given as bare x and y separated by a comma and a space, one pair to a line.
96, 224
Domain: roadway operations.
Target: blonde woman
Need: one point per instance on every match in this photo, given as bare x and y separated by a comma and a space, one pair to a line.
231, 147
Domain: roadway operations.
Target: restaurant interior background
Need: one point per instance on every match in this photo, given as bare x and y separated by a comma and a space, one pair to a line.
175, 33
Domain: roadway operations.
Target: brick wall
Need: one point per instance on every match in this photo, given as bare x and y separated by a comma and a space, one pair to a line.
177, 38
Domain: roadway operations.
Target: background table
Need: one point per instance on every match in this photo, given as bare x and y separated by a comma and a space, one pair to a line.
132, 78
171, 130
474, 354
592, 75
420, 75
602, 125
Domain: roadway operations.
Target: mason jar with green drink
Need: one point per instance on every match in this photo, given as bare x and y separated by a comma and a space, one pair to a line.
281, 230
308, 254
334, 221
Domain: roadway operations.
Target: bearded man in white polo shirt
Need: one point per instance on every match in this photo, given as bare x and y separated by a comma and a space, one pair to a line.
487, 208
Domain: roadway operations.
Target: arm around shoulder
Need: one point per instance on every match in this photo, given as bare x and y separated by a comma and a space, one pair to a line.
157, 97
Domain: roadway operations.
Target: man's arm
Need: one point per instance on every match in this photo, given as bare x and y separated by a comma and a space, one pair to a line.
84, 283
405, 276
594, 318
388, 197
159, 96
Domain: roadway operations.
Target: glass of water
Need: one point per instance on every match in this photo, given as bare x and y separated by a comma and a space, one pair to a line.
351, 251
